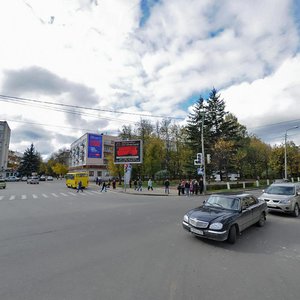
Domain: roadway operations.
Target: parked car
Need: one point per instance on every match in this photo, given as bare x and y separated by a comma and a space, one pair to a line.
12, 178
49, 178
283, 197
2, 183
33, 180
43, 178
223, 217
24, 178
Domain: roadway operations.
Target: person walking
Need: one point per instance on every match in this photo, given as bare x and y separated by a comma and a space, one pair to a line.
140, 185
79, 187
187, 188
114, 183
201, 186
150, 185
103, 186
135, 184
179, 188
167, 186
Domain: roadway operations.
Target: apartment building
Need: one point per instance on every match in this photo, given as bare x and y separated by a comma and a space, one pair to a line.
4, 146
89, 153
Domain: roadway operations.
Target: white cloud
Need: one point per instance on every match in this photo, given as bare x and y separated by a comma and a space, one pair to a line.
246, 49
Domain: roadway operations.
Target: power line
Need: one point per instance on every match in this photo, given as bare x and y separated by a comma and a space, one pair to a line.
7, 97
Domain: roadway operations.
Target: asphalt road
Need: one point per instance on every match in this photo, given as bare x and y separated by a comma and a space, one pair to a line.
59, 244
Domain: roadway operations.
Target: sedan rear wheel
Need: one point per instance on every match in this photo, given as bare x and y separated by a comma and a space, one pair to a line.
296, 210
262, 220
232, 235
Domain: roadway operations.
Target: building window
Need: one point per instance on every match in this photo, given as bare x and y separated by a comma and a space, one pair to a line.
91, 173
99, 173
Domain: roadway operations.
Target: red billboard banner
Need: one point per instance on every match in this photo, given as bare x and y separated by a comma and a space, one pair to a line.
128, 152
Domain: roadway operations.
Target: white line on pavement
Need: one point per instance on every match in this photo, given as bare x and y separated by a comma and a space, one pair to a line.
34, 196
53, 194
44, 195
1, 197
64, 194
23, 197
89, 193
12, 197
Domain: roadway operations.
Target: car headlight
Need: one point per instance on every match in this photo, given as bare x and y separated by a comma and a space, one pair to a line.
186, 218
286, 201
216, 226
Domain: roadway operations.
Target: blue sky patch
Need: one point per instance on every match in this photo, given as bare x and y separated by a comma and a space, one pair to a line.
146, 6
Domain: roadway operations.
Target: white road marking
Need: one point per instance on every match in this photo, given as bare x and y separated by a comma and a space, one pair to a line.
72, 194
12, 197
89, 193
53, 194
44, 195
23, 197
96, 192
1, 197
34, 196
64, 194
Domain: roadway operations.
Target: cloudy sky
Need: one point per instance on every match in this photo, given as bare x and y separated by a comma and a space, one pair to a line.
68, 67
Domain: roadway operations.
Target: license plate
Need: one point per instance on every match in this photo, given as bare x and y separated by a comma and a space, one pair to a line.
197, 231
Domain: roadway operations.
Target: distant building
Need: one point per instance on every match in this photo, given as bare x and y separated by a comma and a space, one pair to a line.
4, 146
89, 153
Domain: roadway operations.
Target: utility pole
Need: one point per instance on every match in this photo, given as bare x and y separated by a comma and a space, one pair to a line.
285, 155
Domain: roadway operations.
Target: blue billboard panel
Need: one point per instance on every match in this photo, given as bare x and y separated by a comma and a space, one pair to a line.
95, 146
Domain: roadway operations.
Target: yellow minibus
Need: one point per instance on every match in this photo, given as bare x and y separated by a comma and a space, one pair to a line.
73, 178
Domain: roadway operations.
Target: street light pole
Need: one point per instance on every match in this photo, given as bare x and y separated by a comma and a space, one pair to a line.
203, 154
285, 156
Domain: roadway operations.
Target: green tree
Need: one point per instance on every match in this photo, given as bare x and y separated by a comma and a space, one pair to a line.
153, 155
31, 161
59, 169
277, 161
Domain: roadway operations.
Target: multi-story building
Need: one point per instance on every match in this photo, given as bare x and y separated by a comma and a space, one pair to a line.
89, 153
4, 146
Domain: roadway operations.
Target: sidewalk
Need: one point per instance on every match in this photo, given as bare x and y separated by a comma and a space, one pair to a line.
157, 191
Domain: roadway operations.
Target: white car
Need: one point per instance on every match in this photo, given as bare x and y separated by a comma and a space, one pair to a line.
12, 178
33, 180
49, 178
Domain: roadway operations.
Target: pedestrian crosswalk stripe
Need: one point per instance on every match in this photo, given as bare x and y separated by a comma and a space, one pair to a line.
72, 194
54, 195
34, 196
12, 197
64, 194
44, 195
89, 193
24, 196
1, 197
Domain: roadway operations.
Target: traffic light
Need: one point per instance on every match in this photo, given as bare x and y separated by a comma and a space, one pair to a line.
200, 158
208, 159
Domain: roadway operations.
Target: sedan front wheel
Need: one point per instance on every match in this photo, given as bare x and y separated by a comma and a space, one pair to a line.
296, 210
232, 235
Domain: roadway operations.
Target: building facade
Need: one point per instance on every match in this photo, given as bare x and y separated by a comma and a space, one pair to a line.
4, 146
89, 153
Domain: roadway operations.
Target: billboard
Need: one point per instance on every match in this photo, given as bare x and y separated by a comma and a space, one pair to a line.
128, 152
94, 146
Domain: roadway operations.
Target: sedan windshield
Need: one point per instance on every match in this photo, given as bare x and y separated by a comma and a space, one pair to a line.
281, 190
223, 202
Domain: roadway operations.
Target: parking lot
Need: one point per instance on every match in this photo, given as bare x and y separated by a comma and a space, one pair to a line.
92, 245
